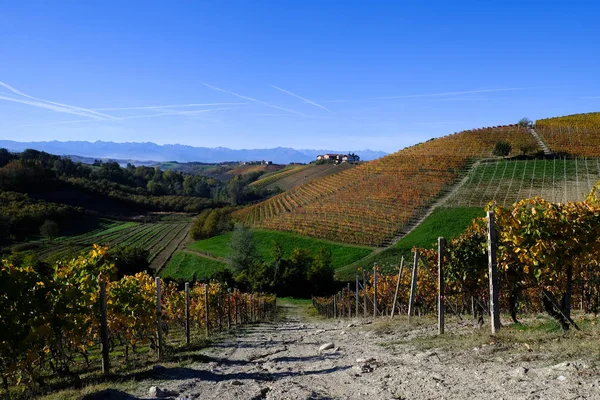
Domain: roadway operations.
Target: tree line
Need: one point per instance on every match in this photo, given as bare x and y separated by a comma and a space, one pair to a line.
301, 274
38, 188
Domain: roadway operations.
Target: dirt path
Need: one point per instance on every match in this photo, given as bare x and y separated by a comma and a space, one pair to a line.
204, 255
281, 360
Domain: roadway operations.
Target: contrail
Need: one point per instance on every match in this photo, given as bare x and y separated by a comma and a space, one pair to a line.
168, 106
446, 93
65, 107
49, 106
254, 100
301, 98
175, 113
132, 117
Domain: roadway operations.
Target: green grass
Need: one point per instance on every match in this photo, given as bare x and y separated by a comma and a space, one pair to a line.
445, 222
342, 254
293, 300
115, 228
216, 246
188, 267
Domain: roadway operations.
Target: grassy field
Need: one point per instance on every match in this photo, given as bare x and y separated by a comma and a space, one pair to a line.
446, 222
185, 266
342, 254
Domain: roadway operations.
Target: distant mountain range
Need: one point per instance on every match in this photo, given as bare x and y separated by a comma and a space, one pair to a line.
177, 152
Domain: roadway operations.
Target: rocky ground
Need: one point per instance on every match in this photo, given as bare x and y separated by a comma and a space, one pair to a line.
363, 359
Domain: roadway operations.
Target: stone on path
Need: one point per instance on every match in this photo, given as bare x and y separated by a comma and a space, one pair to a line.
326, 346
157, 392
363, 360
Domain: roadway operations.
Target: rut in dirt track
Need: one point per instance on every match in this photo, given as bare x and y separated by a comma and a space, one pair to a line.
369, 360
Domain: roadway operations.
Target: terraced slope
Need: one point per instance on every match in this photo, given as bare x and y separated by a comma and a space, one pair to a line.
372, 202
272, 177
291, 177
557, 180
248, 169
161, 239
578, 135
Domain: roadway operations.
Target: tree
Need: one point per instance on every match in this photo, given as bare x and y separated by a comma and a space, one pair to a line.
209, 229
49, 229
129, 260
243, 251
5, 157
356, 156
4, 228
235, 190
198, 224
294, 274
502, 148
527, 148
525, 122
320, 272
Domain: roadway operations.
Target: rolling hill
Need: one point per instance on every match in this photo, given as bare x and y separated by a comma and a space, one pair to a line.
373, 202
173, 152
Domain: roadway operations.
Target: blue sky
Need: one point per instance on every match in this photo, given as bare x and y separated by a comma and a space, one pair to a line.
303, 74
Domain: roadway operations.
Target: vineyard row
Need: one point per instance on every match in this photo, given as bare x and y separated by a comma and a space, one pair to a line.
52, 319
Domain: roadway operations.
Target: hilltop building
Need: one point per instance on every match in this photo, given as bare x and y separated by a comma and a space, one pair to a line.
338, 158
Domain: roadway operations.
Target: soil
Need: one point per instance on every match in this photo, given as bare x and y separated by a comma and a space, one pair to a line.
369, 360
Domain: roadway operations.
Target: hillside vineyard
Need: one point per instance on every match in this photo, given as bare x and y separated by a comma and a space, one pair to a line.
578, 135
371, 203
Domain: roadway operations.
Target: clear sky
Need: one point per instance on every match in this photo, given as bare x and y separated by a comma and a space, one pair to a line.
303, 74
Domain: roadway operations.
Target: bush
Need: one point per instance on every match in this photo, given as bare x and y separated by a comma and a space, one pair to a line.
502, 148
129, 260
49, 229
525, 122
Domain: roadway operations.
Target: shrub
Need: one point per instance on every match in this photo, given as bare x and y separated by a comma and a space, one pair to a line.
49, 229
502, 148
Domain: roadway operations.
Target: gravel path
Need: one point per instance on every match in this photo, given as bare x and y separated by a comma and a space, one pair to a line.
368, 361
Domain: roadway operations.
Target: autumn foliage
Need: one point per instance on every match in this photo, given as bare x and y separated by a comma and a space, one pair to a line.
547, 260
50, 316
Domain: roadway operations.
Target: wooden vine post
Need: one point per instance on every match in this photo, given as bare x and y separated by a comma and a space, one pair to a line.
364, 293
349, 301
187, 313
397, 288
234, 304
413, 285
228, 308
375, 290
356, 295
334, 308
159, 332
441, 288
103, 326
493, 273
206, 321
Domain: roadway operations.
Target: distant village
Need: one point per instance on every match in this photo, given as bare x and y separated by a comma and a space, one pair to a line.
329, 158
338, 158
